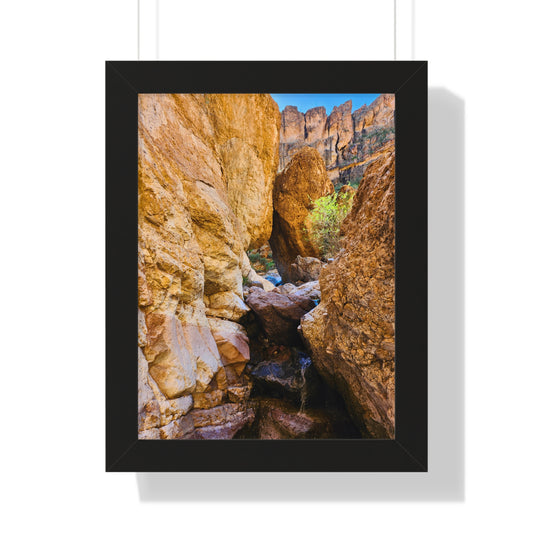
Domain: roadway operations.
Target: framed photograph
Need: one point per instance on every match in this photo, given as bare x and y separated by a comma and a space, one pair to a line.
266, 251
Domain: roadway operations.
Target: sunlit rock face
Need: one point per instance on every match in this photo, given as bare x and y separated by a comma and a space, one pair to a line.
351, 333
303, 181
348, 141
207, 165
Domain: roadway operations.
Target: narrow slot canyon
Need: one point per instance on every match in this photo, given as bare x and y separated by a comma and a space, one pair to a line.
257, 320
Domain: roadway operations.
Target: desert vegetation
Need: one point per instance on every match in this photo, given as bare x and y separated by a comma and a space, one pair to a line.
325, 219
261, 260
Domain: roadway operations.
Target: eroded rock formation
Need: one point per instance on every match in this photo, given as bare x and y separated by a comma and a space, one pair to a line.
280, 312
351, 333
303, 181
347, 141
206, 170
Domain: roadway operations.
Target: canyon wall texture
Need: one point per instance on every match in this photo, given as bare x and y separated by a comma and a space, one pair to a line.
303, 181
347, 141
351, 332
207, 165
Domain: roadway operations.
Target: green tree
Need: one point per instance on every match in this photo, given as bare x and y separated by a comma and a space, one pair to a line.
325, 221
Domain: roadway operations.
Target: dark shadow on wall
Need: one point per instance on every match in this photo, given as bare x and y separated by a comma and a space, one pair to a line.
445, 479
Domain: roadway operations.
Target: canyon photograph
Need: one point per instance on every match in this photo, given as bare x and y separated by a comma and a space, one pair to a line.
266, 266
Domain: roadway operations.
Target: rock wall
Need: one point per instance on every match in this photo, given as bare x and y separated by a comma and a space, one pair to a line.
303, 181
347, 141
351, 333
206, 171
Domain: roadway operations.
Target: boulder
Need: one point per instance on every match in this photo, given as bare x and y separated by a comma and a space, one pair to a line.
303, 181
351, 333
304, 269
215, 423
307, 294
182, 428
222, 422
281, 420
154, 409
232, 343
278, 419
280, 314
282, 377
226, 305
286, 288
173, 365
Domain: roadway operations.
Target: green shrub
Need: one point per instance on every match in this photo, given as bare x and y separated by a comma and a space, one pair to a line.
325, 221
260, 263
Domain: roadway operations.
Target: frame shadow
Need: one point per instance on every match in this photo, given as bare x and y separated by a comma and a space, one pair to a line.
445, 479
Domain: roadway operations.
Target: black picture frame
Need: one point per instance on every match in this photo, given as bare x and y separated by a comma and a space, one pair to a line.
408, 451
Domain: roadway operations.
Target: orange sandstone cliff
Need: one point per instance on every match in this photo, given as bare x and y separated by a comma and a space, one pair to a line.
207, 165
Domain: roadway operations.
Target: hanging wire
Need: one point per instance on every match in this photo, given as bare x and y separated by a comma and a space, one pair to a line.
138, 30
394, 30
157, 30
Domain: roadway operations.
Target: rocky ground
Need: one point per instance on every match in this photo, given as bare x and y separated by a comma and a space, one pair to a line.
290, 398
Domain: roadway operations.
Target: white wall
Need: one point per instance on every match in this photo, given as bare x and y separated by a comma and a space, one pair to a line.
52, 217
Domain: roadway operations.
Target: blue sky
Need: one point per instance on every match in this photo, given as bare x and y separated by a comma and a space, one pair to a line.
307, 101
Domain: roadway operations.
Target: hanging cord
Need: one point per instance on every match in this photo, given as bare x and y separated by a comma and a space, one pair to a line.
394, 30
157, 29
139, 30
